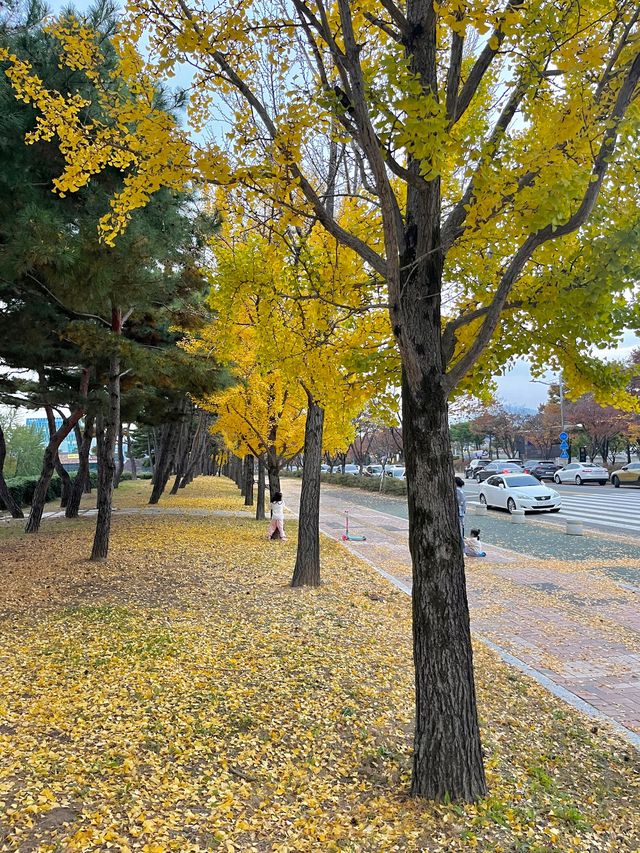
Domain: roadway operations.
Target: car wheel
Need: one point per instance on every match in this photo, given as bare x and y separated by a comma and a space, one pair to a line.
602, 482
555, 509
483, 500
477, 478
616, 482
578, 480
556, 479
511, 505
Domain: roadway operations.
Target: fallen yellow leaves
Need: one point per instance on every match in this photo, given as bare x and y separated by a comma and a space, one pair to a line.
183, 697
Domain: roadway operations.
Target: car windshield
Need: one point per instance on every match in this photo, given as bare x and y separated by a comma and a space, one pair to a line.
518, 482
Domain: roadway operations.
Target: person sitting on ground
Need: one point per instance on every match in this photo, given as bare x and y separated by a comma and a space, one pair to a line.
276, 525
472, 546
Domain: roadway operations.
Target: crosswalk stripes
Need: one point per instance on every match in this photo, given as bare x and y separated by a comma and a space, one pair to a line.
606, 510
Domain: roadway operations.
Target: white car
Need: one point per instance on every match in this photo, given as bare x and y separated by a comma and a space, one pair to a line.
373, 471
518, 491
397, 472
350, 469
581, 472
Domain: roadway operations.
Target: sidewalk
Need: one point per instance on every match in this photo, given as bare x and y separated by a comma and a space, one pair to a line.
574, 622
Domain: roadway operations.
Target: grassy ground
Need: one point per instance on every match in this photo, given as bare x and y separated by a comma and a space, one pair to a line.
183, 697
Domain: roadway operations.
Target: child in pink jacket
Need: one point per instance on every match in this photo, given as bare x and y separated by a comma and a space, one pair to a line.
277, 517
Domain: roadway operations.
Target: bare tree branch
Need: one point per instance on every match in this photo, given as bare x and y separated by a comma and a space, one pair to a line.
482, 63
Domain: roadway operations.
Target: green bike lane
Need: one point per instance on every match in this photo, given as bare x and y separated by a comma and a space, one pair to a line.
563, 608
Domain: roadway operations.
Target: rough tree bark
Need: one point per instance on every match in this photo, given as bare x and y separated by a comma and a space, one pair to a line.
49, 460
67, 484
273, 471
248, 482
243, 476
260, 514
307, 568
166, 455
107, 433
198, 448
182, 453
85, 439
5, 495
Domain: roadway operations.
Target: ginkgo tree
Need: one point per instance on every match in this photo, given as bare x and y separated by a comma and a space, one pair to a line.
483, 137
304, 342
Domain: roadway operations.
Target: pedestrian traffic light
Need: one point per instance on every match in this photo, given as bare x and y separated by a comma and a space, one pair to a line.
583, 454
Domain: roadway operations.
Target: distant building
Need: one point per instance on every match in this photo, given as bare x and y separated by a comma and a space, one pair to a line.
68, 446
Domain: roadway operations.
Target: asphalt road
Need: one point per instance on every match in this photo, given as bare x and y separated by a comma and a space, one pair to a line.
603, 508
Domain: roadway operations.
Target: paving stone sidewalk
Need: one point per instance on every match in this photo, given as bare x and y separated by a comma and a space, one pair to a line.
572, 621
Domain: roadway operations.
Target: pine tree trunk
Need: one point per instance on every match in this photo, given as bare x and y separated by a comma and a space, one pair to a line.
107, 436
48, 466
181, 455
248, 485
41, 489
166, 457
307, 568
120, 463
67, 485
260, 514
5, 495
79, 484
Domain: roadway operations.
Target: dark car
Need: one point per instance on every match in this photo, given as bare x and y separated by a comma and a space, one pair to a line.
474, 466
542, 469
498, 466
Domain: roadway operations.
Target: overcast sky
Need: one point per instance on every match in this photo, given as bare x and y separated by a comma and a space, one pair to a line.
517, 388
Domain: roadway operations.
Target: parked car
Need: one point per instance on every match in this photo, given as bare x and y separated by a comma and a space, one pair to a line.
474, 466
542, 469
373, 471
518, 491
325, 469
350, 469
581, 472
498, 466
629, 475
397, 472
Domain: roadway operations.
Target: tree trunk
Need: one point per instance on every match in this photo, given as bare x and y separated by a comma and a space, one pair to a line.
243, 477
5, 495
447, 759
59, 468
49, 462
120, 464
182, 453
107, 433
198, 449
273, 472
165, 458
307, 568
67, 485
248, 482
260, 514
79, 484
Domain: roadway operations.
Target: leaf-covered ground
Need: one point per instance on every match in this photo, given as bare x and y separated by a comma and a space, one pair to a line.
183, 697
